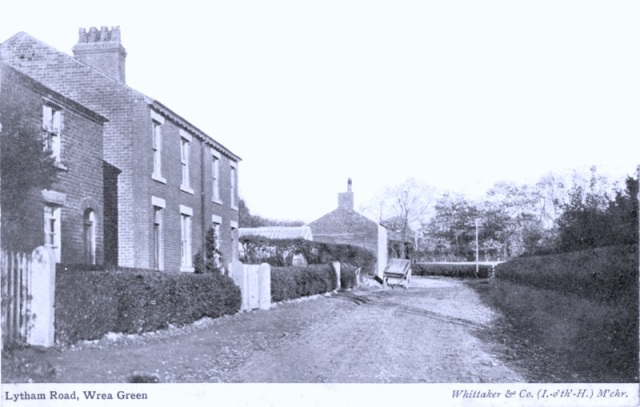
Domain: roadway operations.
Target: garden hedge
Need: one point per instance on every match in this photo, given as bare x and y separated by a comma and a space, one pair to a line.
605, 274
451, 270
288, 283
280, 252
90, 304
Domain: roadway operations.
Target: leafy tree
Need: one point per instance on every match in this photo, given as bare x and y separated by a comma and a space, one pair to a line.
508, 212
247, 220
452, 229
591, 219
25, 169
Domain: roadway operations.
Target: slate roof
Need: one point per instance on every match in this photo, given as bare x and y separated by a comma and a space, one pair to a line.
342, 221
278, 232
65, 74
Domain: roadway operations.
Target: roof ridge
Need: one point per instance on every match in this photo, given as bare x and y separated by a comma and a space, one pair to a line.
22, 36
77, 61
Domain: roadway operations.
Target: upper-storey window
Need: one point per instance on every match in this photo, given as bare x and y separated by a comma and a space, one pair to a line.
156, 144
185, 158
52, 129
234, 186
157, 148
185, 162
215, 176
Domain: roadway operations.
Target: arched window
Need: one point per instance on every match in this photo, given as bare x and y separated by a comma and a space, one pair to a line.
90, 236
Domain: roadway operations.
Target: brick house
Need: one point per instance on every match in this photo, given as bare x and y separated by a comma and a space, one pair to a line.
345, 225
173, 181
68, 217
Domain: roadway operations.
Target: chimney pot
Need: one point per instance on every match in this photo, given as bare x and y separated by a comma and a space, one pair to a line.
104, 34
93, 34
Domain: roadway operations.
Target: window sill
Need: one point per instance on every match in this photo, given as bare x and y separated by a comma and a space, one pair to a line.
159, 178
62, 167
185, 269
234, 208
186, 189
217, 201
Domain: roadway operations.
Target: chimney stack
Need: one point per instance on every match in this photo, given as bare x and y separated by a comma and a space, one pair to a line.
102, 50
345, 199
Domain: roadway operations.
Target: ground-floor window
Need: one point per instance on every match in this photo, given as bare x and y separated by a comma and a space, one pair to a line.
52, 229
157, 239
234, 240
89, 236
185, 232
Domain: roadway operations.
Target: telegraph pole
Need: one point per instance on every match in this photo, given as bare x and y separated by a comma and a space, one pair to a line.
477, 264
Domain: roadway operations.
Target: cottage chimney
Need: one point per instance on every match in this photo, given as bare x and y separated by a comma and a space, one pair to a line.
345, 199
102, 50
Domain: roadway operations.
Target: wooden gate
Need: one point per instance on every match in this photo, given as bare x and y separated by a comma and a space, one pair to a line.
255, 284
28, 291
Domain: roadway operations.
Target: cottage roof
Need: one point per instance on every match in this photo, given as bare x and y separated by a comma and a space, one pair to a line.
278, 232
53, 68
341, 220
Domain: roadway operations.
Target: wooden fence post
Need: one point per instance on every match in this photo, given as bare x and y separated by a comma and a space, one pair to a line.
264, 298
236, 270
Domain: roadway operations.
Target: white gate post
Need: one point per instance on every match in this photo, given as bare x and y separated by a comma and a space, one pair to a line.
236, 269
264, 275
336, 269
43, 290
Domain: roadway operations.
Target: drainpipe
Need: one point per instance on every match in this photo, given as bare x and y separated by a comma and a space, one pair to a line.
202, 206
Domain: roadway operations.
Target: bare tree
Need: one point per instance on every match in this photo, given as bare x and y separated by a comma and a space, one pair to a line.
409, 203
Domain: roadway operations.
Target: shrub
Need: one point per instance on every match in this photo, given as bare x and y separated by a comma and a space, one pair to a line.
605, 274
214, 259
279, 252
451, 270
293, 282
90, 304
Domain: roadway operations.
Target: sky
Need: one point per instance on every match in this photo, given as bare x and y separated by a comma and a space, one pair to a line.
456, 94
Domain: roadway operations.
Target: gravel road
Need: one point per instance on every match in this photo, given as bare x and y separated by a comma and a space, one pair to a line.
428, 333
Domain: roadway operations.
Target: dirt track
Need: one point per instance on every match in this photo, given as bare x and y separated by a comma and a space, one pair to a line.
429, 333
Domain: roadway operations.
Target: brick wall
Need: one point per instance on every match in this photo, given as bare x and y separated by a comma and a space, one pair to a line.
200, 200
80, 177
128, 153
346, 226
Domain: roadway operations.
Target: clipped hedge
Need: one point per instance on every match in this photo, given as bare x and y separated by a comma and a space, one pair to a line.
605, 274
288, 283
90, 304
280, 252
451, 270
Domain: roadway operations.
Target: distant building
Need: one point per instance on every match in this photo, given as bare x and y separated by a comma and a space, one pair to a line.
68, 217
166, 181
345, 225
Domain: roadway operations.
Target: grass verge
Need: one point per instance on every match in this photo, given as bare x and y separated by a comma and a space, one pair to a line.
562, 337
